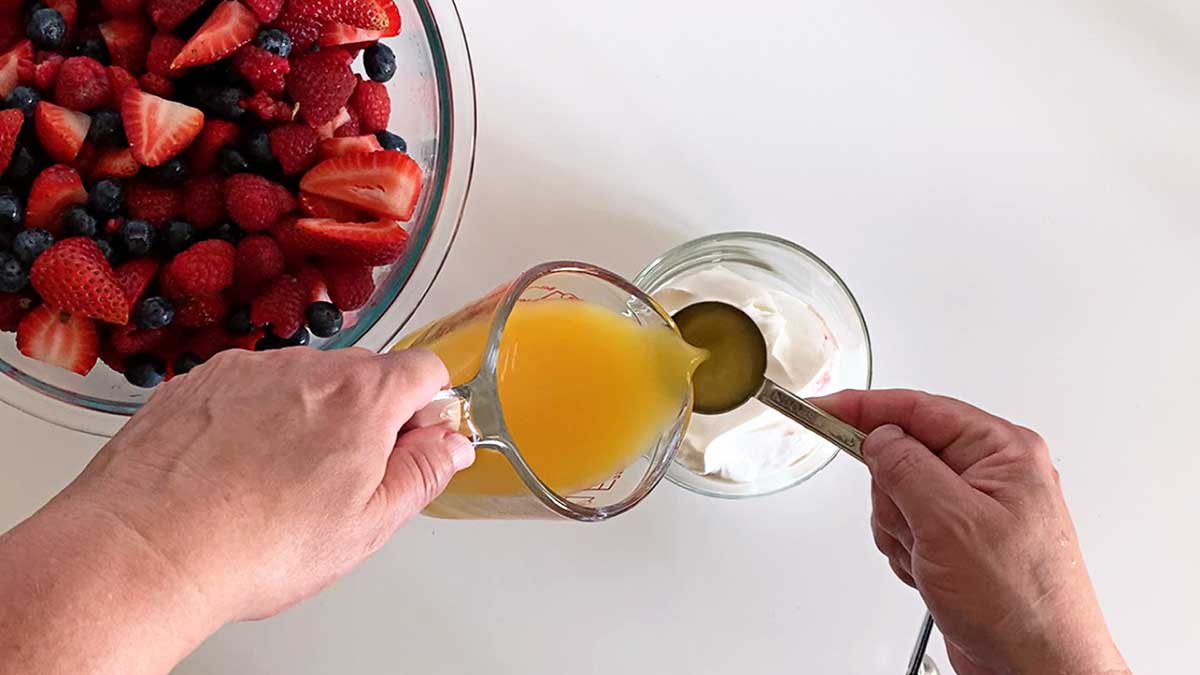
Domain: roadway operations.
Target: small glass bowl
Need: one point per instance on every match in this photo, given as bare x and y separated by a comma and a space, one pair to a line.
780, 265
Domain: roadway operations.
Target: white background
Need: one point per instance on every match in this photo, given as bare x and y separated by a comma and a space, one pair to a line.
1011, 189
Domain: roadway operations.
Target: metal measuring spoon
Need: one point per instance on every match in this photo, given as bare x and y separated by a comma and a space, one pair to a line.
736, 371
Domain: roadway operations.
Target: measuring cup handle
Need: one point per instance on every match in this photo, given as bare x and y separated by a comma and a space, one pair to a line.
450, 408
813, 418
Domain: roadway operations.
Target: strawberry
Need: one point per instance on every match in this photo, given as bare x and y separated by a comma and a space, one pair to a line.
127, 39
167, 14
304, 20
164, 47
65, 340
256, 203
115, 163
314, 281
121, 81
281, 306
321, 82
201, 311
343, 117
123, 7
152, 202
128, 340
216, 134
377, 243
265, 10
230, 26
323, 207
53, 190
258, 260
134, 277
42, 72
73, 276
350, 286
69, 9
13, 307
204, 269
157, 85
370, 100
82, 84
10, 63
158, 129
336, 147
61, 131
267, 108
204, 202
386, 183
350, 127
10, 127
295, 146
344, 34
262, 70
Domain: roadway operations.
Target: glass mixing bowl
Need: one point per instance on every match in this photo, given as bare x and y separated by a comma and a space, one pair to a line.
433, 109
779, 265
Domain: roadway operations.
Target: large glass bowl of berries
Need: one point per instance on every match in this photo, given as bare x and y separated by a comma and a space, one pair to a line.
181, 177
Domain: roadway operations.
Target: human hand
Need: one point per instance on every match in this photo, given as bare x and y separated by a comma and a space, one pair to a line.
968, 509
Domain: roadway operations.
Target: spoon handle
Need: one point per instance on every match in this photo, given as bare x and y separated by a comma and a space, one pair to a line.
813, 418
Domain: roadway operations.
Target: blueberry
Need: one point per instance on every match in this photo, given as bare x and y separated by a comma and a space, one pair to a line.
324, 319
105, 197
379, 62
298, 339
258, 152
10, 211
391, 141
231, 161
224, 102
111, 253
272, 341
93, 47
185, 362
13, 275
275, 41
179, 235
138, 237
239, 320
144, 370
46, 28
107, 129
153, 312
24, 98
171, 172
77, 222
22, 166
227, 231
29, 244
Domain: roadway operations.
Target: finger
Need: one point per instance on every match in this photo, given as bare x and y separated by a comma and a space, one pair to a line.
419, 469
411, 378
888, 518
902, 573
921, 485
899, 558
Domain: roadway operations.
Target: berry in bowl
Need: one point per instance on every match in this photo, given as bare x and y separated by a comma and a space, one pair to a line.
181, 177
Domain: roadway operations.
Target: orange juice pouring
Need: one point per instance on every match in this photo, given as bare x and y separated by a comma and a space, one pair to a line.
576, 388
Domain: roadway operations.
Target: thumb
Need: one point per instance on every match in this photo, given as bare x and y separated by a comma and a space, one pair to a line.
920, 484
421, 466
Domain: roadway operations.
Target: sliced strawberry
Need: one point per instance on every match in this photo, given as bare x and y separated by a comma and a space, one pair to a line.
314, 281
10, 127
327, 130
115, 163
386, 183
230, 26
348, 145
10, 63
345, 34
128, 40
134, 277
305, 20
128, 340
158, 129
379, 243
53, 190
61, 131
265, 10
65, 340
324, 207
74, 276
121, 81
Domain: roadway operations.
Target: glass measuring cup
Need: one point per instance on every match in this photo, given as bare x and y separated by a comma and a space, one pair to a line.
473, 404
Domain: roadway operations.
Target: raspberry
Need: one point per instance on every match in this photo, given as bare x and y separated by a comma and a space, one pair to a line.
370, 100
204, 269
294, 252
151, 202
167, 14
265, 10
281, 306
135, 276
350, 128
256, 203
258, 260
128, 340
264, 71
350, 286
164, 47
204, 202
321, 82
41, 71
157, 85
121, 81
122, 7
267, 108
82, 84
295, 145
201, 311
216, 134
206, 342
314, 281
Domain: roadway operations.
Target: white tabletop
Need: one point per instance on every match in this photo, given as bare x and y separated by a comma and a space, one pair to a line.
1012, 191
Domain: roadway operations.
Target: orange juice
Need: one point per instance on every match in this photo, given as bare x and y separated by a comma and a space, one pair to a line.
583, 391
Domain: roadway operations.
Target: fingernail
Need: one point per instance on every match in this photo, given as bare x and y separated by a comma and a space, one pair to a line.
883, 434
462, 453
